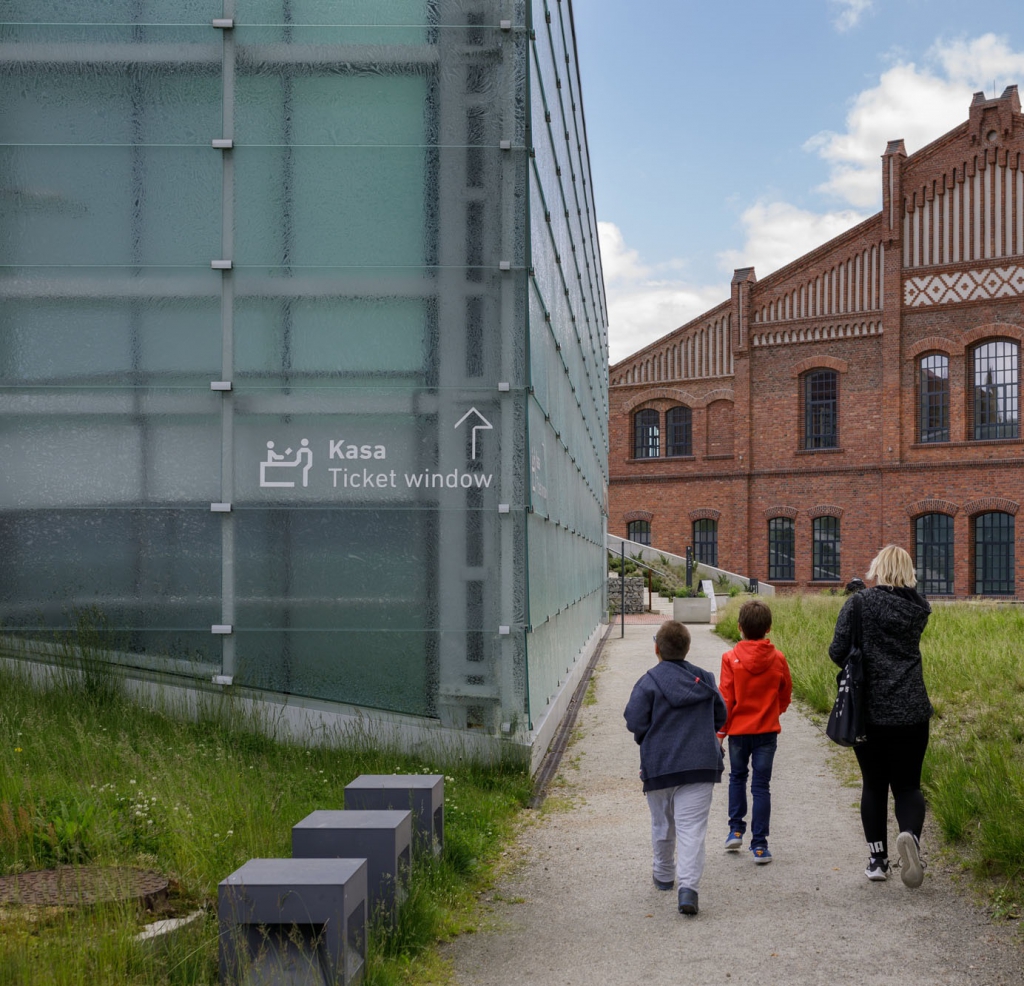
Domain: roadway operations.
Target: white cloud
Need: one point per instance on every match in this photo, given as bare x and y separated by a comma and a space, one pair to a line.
916, 103
850, 13
778, 232
645, 303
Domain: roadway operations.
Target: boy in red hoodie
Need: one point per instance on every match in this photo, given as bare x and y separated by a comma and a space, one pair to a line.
757, 689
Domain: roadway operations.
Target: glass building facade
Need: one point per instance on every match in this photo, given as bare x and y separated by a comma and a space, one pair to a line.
303, 348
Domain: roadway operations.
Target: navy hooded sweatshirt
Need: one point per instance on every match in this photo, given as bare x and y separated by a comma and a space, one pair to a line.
674, 712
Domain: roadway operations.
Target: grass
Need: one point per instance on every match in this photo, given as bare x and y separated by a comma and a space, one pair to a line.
974, 771
86, 776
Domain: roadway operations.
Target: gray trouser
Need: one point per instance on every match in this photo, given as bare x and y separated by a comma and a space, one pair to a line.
679, 823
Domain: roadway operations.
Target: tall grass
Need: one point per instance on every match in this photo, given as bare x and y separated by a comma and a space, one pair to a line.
974, 770
86, 776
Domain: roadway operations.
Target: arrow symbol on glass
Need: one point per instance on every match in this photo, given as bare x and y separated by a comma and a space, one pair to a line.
485, 425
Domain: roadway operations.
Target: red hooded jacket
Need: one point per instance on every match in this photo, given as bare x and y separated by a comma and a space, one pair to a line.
756, 686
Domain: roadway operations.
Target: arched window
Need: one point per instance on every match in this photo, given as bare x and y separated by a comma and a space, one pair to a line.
996, 392
679, 431
781, 549
825, 563
821, 409
639, 531
933, 540
705, 542
933, 398
646, 434
993, 554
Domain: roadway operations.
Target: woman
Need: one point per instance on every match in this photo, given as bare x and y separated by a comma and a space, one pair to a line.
893, 617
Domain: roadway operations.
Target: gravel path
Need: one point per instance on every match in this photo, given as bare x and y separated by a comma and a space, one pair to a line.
577, 905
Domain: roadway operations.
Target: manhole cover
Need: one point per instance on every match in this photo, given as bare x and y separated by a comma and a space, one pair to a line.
81, 886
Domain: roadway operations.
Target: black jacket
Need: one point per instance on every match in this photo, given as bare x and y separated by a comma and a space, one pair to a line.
892, 622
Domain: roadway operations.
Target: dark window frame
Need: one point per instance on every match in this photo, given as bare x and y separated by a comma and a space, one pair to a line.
678, 431
705, 541
826, 555
781, 549
641, 528
934, 545
994, 411
933, 398
821, 409
994, 537
646, 434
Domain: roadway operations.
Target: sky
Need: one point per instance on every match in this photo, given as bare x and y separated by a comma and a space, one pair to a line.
745, 133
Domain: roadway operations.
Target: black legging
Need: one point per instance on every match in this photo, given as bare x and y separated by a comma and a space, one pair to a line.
892, 758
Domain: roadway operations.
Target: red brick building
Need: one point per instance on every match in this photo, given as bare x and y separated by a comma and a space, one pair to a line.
867, 393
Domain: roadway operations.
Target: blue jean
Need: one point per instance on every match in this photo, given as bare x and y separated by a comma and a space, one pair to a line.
758, 751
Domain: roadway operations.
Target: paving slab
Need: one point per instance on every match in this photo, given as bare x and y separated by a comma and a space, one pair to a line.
577, 906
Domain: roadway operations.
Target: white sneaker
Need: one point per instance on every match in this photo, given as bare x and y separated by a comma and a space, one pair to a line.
878, 869
911, 869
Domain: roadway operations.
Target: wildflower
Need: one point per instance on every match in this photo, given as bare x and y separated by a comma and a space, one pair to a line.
231, 831
132, 781
17, 749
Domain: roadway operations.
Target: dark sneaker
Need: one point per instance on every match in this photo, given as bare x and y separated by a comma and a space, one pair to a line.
734, 840
911, 868
687, 901
761, 855
662, 885
878, 869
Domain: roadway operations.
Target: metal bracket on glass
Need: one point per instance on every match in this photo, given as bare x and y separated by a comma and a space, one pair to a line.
226, 23
503, 386
220, 385
220, 508
505, 145
505, 25
220, 264
222, 679
504, 631
223, 143
221, 628
504, 265
503, 508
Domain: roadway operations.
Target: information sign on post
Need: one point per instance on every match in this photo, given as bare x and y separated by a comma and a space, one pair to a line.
709, 590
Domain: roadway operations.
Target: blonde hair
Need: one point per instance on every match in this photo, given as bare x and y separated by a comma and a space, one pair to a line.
893, 566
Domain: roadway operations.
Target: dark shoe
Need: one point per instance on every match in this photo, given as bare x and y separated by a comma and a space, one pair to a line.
761, 855
878, 869
662, 885
687, 901
911, 868
734, 840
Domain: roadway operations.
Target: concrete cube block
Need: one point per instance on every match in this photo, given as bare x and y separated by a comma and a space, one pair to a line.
422, 794
382, 838
293, 921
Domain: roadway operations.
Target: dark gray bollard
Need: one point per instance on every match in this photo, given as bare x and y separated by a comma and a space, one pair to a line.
293, 921
422, 794
383, 838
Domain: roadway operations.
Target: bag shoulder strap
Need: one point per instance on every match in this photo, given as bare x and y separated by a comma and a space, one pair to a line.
856, 630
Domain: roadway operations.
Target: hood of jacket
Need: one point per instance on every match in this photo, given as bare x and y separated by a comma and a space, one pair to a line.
754, 656
898, 612
681, 684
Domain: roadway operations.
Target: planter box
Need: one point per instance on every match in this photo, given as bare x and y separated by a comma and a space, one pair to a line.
692, 609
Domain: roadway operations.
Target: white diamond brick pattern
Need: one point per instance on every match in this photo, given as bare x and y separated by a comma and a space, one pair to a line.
968, 285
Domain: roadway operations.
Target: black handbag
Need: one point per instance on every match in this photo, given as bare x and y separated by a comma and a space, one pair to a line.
847, 721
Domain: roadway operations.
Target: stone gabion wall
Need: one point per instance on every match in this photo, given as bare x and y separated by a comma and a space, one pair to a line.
636, 595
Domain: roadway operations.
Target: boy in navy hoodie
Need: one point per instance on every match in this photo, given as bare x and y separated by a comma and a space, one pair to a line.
673, 714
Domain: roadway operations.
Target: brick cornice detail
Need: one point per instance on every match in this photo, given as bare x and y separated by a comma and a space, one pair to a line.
988, 504
705, 513
819, 362
934, 344
932, 506
825, 510
992, 331
780, 511
638, 515
662, 393
723, 394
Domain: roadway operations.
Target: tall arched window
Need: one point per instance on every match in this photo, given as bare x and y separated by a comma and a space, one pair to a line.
825, 563
679, 431
705, 542
933, 540
996, 393
781, 549
646, 434
639, 531
933, 398
993, 554
821, 409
